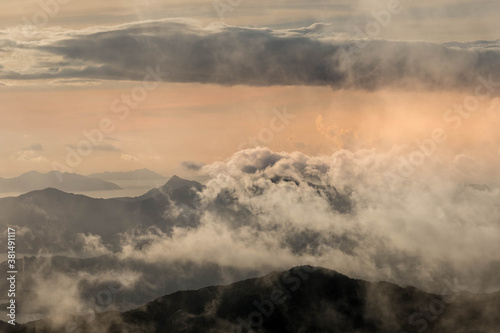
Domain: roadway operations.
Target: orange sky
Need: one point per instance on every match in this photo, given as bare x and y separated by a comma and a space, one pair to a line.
204, 123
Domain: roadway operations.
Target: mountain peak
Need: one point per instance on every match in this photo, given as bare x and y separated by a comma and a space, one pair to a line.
32, 172
176, 182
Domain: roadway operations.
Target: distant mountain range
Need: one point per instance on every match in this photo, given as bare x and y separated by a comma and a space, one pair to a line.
33, 180
55, 218
71, 182
141, 174
303, 299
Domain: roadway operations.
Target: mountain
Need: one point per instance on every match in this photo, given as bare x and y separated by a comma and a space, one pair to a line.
56, 221
175, 183
34, 180
302, 299
182, 190
141, 174
56, 218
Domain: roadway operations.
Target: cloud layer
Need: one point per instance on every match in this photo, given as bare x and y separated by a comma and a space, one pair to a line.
231, 55
345, 211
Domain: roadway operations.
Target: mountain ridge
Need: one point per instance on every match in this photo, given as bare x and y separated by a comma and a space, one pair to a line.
62, 216
34, 180
138, 174
301, 299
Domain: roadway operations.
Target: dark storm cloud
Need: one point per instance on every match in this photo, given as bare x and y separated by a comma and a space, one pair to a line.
235, 55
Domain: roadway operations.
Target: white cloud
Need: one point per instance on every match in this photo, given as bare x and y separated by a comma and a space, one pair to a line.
28, 156
128, 157
261, 209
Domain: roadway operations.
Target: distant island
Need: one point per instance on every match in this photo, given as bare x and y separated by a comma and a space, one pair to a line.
34, 180
141, 174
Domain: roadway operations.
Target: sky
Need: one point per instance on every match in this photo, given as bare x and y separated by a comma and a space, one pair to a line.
393, 104
174, 85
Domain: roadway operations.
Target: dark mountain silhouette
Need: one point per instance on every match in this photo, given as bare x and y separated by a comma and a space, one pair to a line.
303, 299
34, 180
54, 218
176, 183
181, 190
55, 221
173, 186
141, 174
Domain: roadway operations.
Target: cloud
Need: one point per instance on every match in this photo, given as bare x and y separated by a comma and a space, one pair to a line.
108, 148
296, 143
60, 291
92, 244
229, 55
341, 137
344, 212
28, 156
265, 210
34, 147
193, 166
103, 147
128, 157
76, 82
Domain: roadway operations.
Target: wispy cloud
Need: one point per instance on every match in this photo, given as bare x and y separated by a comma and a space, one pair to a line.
193, 166
34, 147
128, 157
103, 148
28, 156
